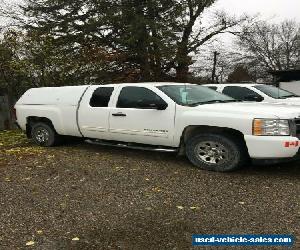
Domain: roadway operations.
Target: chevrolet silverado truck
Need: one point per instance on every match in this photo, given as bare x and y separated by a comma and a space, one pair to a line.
213, 130
256, 92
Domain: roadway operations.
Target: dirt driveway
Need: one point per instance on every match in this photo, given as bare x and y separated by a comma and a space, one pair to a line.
82, 196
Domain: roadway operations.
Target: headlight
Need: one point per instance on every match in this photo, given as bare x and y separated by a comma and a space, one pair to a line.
269, 127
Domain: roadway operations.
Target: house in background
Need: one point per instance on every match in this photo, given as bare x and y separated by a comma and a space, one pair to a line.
287, 79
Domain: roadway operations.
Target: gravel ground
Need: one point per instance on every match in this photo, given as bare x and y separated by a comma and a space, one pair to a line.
82, 196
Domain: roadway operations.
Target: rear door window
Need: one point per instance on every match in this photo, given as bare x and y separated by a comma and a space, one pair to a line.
101, 97
239, 93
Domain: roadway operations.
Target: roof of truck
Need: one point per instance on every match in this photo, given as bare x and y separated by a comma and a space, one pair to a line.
233, 84
70, 94
143, 83
122, 84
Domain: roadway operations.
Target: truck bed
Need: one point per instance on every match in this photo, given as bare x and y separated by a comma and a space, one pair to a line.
58, 104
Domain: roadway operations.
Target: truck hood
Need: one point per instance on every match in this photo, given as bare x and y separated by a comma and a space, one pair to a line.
289, 101
257, 110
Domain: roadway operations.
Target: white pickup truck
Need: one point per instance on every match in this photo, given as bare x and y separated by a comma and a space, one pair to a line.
215, 131
256, 92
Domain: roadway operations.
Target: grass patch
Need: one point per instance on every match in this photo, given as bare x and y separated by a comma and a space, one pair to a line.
14, 142
11, 138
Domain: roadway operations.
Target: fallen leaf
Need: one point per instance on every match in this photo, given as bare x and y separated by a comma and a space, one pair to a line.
63, 205
156, 189
30, 243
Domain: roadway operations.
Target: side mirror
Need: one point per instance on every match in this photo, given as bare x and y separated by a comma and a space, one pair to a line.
253, 98
159, 106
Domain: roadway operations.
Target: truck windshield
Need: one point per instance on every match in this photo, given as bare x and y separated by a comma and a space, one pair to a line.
274, 92
193, 95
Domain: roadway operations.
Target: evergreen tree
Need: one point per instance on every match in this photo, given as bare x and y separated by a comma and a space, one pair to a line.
147, 38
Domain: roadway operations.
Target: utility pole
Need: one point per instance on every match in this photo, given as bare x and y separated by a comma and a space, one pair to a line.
213, 75
222, 72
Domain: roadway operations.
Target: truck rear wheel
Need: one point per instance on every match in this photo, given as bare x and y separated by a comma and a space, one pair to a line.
216, 152
44, 135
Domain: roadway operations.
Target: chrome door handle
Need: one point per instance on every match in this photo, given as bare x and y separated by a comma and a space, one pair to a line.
119, 114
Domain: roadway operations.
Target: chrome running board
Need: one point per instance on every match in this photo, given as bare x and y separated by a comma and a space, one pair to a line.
132, 146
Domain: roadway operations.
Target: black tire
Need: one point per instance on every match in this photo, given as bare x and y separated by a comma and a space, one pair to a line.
44, 135
216, 152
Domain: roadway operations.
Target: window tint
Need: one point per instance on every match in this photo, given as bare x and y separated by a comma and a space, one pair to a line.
212, 87
101, 97
240, 93
191, 95
274, 92
137, 97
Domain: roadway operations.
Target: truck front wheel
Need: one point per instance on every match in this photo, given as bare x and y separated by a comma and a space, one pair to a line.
44, 135
216, 152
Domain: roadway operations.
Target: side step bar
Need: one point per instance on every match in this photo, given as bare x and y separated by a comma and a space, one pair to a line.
132, 146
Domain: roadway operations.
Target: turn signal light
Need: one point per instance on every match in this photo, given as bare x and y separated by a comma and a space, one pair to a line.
258, 127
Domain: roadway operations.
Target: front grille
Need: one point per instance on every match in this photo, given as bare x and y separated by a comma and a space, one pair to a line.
297, 121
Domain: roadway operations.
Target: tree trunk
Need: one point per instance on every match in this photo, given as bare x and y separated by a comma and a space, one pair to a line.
154, 48
182, 71
213, 75
143, 57
144, 68
142, 44
183, 63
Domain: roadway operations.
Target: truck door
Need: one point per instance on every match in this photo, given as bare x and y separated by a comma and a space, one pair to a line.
94, 112
141, 115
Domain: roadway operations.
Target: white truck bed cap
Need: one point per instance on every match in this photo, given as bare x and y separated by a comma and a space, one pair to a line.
50, 95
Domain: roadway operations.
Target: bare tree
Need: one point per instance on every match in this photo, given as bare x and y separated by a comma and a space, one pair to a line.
272, 46
195, 35
227, 60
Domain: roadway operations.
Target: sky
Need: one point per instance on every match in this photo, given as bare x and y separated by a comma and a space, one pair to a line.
282, 8
273, 10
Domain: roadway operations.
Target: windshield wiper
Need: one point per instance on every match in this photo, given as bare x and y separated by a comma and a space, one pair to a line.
211, 102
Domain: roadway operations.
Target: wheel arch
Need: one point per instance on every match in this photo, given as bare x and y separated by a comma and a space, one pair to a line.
193, 130
31, 120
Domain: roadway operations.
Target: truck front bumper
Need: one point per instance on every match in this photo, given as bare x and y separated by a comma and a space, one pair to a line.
272, 147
